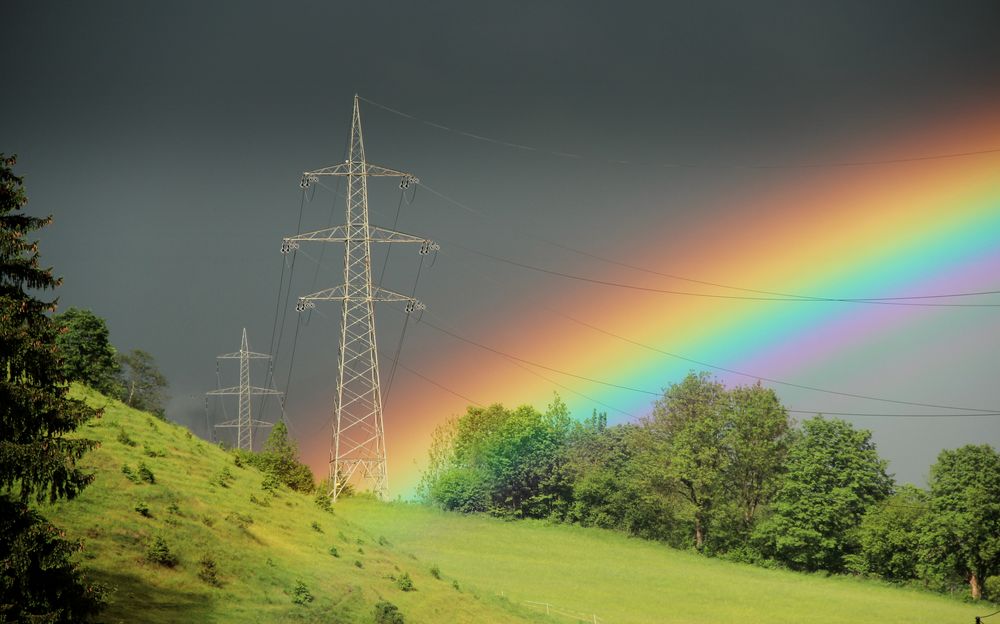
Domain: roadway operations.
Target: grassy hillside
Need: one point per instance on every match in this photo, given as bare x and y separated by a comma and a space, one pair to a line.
624, 580
264, 545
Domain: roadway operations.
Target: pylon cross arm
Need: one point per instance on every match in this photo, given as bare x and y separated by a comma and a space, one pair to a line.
236, 390
366, 169
339, 234
338, 293
238, 355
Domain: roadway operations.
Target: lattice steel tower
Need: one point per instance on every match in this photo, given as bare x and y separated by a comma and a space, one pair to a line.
358, 449
244, 422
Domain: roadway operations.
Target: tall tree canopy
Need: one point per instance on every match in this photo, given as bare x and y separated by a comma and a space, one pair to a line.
834, 475
37, 461
85, 351
962, 535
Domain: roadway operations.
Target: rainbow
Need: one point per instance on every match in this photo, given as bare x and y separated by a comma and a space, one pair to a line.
889, 231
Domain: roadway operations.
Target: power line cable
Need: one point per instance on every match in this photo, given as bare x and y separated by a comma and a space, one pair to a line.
974, 412
634, 267
691, 165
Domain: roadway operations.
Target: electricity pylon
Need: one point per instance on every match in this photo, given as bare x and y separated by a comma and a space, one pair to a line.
244, 421
358, 449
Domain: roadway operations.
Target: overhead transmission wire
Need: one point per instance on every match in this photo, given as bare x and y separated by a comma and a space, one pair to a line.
688, 165
771, 295
659, 394
975, 411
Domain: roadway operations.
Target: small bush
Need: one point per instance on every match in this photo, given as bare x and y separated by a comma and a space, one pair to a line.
404, 582
382, 541
237, 460
146, 474
361, 551
387, 613
159, 553
207, 521
323, 501
131, 476
150, 452
991, 587
240, 520
143, 509
270, 484
263, 502
187, 434
333, 551
316, 527
124, 438
301, 595
225, 478
358, 564
173, 508
208, 571
455, 585
436, 572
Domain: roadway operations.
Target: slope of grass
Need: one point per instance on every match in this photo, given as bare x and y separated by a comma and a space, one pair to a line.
263, 546
624, 580
464, 569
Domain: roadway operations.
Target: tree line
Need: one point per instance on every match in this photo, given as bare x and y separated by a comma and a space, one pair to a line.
727, 472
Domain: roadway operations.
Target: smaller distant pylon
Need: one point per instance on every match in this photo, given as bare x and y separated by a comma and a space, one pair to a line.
244, 422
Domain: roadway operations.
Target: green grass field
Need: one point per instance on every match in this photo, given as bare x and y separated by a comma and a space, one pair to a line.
498, 566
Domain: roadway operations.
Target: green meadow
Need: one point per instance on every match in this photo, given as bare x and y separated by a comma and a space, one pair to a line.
281, 558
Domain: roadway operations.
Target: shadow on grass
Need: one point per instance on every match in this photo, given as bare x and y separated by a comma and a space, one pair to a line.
132, 599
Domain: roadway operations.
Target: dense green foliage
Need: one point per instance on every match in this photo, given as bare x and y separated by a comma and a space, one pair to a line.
508, 462
834, 474
142, 385
726, 472
961, 536
85, 351
37, 459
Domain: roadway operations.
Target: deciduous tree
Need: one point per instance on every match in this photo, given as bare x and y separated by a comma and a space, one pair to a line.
85, 351
962, 535
834, 475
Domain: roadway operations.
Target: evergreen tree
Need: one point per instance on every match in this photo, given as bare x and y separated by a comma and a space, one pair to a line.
37, 461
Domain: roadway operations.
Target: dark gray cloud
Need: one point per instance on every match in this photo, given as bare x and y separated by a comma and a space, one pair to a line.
167, 138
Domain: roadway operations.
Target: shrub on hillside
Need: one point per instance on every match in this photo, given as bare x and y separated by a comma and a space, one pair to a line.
208, 571
159, 553
125, 439
436, 571
387, 613
301, 594
146, 474
404, 582
143, 509
129, 474
333, 551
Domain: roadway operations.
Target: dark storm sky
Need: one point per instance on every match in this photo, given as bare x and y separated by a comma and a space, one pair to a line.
168, 138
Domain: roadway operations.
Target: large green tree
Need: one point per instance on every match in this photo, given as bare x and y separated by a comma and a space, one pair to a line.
37, 460
758, 433
834, 475
685, 446
962, 534
85, 351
